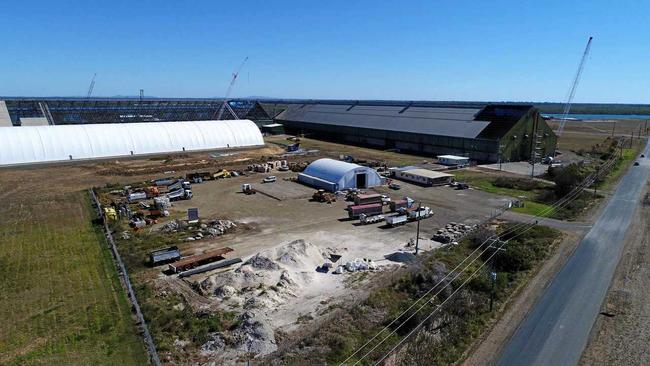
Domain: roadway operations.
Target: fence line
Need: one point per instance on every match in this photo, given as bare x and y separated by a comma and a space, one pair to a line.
126, 283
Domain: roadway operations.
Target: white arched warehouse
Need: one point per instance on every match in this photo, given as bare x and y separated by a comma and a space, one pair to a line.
36, 144
335, 175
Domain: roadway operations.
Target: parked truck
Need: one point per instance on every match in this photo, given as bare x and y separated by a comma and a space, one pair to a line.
419, 213
198, 177
370, 219
180, 194
396, 220
372, 209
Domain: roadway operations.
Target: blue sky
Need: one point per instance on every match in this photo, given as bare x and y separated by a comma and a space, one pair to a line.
409, 50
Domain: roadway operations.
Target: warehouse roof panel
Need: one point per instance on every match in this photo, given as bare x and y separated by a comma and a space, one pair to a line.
441, 121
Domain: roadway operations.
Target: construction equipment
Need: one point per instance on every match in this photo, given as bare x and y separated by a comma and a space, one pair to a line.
228, 91
574, 86
293, 147
198, 177
221, 174
322, 196
248, 189
91, 87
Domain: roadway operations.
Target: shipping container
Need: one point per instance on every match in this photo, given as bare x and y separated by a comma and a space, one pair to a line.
365, 199
372, 209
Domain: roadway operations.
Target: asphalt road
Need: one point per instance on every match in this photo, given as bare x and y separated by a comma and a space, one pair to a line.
557, 329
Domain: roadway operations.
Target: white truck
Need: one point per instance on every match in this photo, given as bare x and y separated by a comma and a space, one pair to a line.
420, 213
180, 194
370, 219
396, 220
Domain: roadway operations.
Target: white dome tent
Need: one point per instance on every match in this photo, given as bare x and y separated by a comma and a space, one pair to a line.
39, 144
335, 175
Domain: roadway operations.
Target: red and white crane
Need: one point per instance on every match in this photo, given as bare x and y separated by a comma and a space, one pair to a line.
229, 90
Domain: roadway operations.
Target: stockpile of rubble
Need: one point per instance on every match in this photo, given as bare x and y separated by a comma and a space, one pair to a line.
452, 233
199, 231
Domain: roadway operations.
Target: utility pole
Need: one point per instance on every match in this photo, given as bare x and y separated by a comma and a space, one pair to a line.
417, 234
501, 146
493, 273
613, 128
141, 95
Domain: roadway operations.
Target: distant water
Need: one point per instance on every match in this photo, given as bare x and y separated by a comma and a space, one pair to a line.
599, 116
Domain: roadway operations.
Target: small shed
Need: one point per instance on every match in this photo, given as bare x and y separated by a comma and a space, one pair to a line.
273, 128
424, 177
453, 160
334, 175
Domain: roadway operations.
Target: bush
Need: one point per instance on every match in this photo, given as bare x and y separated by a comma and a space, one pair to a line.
522, 184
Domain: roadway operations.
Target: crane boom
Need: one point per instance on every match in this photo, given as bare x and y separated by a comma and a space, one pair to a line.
229, 90
574, 86
92, 86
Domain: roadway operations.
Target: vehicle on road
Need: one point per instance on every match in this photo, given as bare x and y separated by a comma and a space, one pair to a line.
269, 179
394, 186
461, 186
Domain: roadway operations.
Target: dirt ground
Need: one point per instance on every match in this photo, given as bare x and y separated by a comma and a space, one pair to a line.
295, 217
621, 334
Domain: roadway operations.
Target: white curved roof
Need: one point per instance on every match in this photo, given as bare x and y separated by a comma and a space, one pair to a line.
24, 145
329, 169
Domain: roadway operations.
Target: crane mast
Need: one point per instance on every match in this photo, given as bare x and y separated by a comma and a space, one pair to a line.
229, 90
91, 87
574, 86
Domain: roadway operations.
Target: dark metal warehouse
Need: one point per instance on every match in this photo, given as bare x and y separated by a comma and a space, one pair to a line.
510, 132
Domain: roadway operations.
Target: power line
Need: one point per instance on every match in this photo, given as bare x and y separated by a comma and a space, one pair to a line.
560, 203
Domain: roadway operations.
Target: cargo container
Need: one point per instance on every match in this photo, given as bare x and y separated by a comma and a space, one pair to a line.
194, 261
372, 209
365, 199
162, 256
136, 196
397, 205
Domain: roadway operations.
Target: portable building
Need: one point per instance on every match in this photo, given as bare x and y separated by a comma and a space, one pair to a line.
453, 160
424, 177
334, 175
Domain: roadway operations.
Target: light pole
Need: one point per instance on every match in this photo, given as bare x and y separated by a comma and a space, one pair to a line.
417, 234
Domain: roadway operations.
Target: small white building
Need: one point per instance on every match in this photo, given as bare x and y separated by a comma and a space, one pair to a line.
453, 160
424, 177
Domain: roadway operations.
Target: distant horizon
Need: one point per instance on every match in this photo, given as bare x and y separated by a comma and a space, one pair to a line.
8, 97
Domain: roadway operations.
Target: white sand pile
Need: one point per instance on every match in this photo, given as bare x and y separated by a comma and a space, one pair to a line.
268, 278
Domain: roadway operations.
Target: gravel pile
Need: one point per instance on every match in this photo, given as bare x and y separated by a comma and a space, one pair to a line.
452, 232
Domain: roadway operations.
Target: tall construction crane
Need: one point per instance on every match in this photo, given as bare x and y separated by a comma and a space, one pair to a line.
91, 87
229, 90
574, 86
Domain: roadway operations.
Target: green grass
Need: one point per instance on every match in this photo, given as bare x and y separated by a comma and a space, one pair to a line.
627, 158
61, 302
534, 208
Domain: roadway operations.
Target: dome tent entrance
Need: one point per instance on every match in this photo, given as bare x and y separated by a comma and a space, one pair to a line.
335, 175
